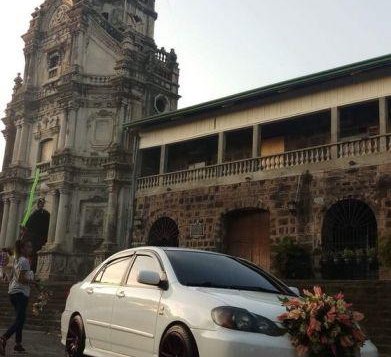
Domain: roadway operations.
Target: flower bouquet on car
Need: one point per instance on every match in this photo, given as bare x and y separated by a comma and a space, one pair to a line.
322, 325
42, 299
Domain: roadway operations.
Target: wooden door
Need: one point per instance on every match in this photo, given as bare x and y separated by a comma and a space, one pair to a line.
248, 236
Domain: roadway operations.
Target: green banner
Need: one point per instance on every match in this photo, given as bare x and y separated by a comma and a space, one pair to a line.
31, 198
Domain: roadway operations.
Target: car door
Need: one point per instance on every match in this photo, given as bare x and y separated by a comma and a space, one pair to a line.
135, 311
99, 298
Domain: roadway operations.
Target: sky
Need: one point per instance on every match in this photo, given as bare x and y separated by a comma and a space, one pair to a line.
228, 46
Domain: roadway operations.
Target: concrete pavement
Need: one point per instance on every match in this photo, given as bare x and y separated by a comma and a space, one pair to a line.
38, 344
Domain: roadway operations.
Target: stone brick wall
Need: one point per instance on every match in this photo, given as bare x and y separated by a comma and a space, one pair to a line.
370, 297
316, 193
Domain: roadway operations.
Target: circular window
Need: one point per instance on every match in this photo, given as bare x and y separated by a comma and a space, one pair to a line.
161, 104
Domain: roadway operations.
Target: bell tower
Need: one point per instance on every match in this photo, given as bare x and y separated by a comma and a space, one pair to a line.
91, 67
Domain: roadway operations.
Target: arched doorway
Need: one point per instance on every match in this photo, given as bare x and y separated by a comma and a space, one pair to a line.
247, 235
164, 233
36, 229
349, 239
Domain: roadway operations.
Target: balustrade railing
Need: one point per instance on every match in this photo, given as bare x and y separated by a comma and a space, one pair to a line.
312, 155
96, 80
360, 147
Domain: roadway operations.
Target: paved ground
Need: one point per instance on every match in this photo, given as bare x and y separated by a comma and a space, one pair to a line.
38, 344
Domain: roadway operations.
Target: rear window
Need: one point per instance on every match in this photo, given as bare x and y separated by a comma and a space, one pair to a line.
219, 271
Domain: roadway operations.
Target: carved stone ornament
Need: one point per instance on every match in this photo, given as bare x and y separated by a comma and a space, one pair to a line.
60, 16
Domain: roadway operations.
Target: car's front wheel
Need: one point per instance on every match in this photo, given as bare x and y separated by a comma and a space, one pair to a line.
76, 339
178, 342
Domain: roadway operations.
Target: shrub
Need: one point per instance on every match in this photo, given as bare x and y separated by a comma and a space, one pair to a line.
385, 251
291, 260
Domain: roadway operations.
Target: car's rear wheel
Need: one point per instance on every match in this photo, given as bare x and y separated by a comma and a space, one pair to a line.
178, 342
76, 338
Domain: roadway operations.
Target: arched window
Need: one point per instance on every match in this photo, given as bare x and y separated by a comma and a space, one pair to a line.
349, 241
349, 224
164, 233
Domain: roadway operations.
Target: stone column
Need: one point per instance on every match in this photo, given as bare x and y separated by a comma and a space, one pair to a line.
63, 132
53, 219
256, 141
4, 223
383, 121
163, 160
71, 128
9, 137
118, 129
62, 216
221, 148
24, 137
335, 130
21, 210
110, 226
15, 154
12, 222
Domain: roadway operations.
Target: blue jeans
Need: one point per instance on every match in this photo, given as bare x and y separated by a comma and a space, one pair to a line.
19, 301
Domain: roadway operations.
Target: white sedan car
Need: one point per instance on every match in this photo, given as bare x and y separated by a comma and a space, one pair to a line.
167, 302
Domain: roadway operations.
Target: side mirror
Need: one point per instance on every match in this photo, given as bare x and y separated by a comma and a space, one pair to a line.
149, 278
295, 290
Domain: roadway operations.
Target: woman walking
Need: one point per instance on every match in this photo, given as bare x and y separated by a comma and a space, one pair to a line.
19, 292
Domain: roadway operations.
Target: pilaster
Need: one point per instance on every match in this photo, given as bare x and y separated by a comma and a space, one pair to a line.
71, 127
62, 216
12, 222
15, 153
53, 218
4, 223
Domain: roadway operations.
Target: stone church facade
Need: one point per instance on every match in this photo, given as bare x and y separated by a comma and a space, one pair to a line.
91, 67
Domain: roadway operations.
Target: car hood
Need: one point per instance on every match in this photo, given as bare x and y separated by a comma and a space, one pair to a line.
264, 304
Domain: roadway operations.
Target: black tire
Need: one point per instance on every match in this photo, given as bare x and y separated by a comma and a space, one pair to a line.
178, 342
76, 338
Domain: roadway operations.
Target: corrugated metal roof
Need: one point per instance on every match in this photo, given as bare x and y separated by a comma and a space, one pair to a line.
258, 93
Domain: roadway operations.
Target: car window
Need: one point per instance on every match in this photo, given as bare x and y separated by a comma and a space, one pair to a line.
142, 262
113, 272
219, 271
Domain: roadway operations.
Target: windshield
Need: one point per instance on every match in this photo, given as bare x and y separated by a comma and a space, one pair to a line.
220, 271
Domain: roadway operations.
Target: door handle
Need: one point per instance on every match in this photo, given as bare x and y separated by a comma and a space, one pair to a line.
89, 291
121, 294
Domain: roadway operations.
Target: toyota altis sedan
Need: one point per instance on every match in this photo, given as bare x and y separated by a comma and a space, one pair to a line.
167, 302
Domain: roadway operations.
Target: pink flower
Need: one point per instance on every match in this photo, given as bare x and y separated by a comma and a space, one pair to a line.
283, 317
358, 316
346, 341
314, 326
331, 315
318, 291
294, 314
302, 350
340, 296
359, 336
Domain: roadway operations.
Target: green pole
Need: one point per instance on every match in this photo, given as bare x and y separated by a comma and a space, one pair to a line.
31, 198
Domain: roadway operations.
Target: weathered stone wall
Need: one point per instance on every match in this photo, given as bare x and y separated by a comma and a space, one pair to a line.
316, 193
371, 298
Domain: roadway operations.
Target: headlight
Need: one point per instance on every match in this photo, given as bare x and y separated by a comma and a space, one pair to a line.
240, 319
